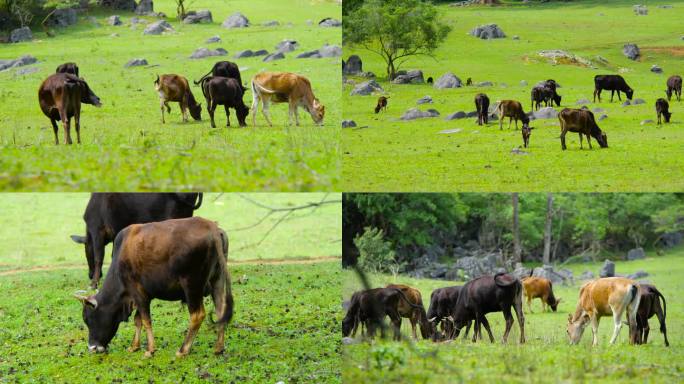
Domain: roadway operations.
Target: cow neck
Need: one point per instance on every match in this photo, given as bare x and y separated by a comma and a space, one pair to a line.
112, 291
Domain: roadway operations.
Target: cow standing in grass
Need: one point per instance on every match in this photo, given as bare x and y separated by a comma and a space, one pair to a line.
674, 85
442, 303
514, 111
224, 69
663, 110
542, 288
612, 83
415, 315
482, 107
649, 306
175, 88
227, 92
285, 87
583, 122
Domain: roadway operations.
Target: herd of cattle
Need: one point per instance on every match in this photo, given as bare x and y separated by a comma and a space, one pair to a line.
61, 95
453, 308
160, 252
581, 121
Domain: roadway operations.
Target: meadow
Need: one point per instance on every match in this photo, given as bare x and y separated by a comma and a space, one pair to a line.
386, 154
124, 144
546, 356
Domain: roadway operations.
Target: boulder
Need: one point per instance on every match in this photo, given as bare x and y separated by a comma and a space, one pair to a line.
523, 83
20, 62
520, 271
20, 34
637, 275
448, 80
114, 20
655, 68
348, 123
424, 100
135, 63
347, 341
260, 52
647, 121
559, 56
456, 115
415, 113
411, 77
474, 266
488, 31
286, 46
638, 101
309, 54
353, 65
608, 269
330, 51
602, 117
245, 53
273, 57
201, 16
586, 275
556, 277
329, 22
636, 254
545, 113
158, 27
671, 239
201, 53
144, 7
640, 10
213, 39
63, 18
582, 101
631, 51
126, 5
367, 88
484, 84
271, 23
236, 20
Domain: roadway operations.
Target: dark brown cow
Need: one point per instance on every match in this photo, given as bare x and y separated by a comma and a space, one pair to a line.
581, 121
526, 133
482, 107
227, 92
174, 260
514, 111
649, 306
674, 85
175, 88
224, 69
415, 315
60, 97
662, 110
382, 104
442, 303
68, 68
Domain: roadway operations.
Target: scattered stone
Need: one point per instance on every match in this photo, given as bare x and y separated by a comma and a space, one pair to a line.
415, 113
518, 151
488, 31
638, 101
608, 269
545, 113
367, 88
309, 54
329, 22
587, 275
424, 100
20, 34
640, 10
201, 16
602, 117
456, 115
656, 69
636, 254
352, 66
213, 39
448, 80
27, 71
523, 83
671, 239
63, 18
348, 123
448, 131
558, 56
201, 53
471, 114
114, 20
485, 84
598, 110
236, 20
582, 101
261, 52
474, 267
242, 54
20, 62
520, 271
330, 51
286, 46
158, 27
626, 103
273, 57
637, 275
144, 7
515, 37
411, 77
631, 51
135, 63
272, 23
556, 277
136, 20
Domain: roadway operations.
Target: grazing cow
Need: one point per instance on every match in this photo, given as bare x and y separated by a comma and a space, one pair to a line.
581, 121
487, 294
442, 303
285, 87
539, 287
227, 92
469, 82
611, 83
68, 68
649, 306
382, 104
674, 85
662, 110
512, 109
176, 88
370, 307
108, 213
174, 260
60, 97
430, 80
604, 297
526, 133
544, 94
482, 107
415, 315
224, 69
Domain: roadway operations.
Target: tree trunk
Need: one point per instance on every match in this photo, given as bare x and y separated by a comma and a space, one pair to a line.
517, 251
558, 238
547, 229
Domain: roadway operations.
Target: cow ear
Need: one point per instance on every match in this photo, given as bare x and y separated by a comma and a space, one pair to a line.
558, 301
86, 300
78, 239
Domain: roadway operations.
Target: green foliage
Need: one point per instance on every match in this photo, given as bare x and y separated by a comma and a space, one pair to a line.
388, 356
376, 254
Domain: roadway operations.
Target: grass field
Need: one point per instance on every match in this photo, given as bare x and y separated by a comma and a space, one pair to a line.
393, 155
125, 145
546, 357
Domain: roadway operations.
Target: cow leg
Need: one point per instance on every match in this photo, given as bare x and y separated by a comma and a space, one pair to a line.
562, 137
296, 113
218, 296
196, 318
255, 108
617, 315
520, 316
184, 110
227, 115
581, 147
619, 98
265, 112
98, 257
646, 330
476, 329
161, 106
612, 93
65, 124
485, 323
529, 305
55, 129
465, 336
594, 329
509, 323
413, 321
588, 141
144, 311
77, 122
136, 339
211, 109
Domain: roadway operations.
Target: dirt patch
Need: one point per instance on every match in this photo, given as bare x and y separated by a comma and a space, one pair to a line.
670, 51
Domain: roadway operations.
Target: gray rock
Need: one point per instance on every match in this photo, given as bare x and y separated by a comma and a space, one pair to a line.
626, 103
448, 80
647, 121
309, 54
126, 5
424, 100
201, 16
274, 57
213, 39
144, 7
488, 31
347, 341
330, 51
367, 88
114, 20
520, 271
260, 52
587, 275
638, 101
598, 110
631, 51
637, 275
27, 71
236, 20
456, 115
201, 53
515, 37
329, 22
523, 83
671, 239
411, 77
518, 151
608, 269
656, 69
135, 63
20, 34
545, 113
158, 27
471, 114
602, 117
348, 123
485, 84
242, 54
415, 113
136, 20
556, 277
272, 23
636, 254
449, 131
286, 46
582, 101
474, 267
640, 10
20, 62
63, 18
353, 65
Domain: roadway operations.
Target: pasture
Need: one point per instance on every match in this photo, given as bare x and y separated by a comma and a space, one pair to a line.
124, 144
285, 325
546, 357
386, 154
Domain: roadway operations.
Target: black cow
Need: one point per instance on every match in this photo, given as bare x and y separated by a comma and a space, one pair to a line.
482, 107
662, 110
649, 305
544, 94
68, 68
583, 122
674, 85
611, 83
108, 213
227, 92
442, 303
174, 260
224, 69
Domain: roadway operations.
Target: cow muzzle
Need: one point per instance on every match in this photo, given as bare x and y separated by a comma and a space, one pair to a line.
96, 349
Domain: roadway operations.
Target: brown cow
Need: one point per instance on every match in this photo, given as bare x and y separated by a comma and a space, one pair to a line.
512, 109
382, 104
68, 68
224, 91
581, 121
60, 97
173, 87
285, 87
674, 85
539, 287
415, 315
649, 306
605, 297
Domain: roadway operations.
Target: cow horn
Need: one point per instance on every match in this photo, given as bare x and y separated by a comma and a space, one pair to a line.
86, 300
450, 318
432, 320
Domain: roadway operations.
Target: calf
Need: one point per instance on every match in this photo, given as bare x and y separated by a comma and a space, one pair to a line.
482, 107
469, 82
382, 104
68, 68
611, 83
174, 260
539, 287
415, 315
649, 306
227, 92
544, 94
674, 85
605, 297
224, 69
581, 121
60, 97
285, 87
176, 88
442, 303
512, 109
662, 110
430, 80
526, 133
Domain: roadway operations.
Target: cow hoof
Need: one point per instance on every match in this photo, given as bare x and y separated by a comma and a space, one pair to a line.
133, 349
218, 351
148, 354
180, 354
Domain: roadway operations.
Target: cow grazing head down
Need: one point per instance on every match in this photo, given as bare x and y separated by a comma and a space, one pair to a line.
554, 306
576, 328
629, 92
196, 111
87, 95
102, 321
242, 111
317, 112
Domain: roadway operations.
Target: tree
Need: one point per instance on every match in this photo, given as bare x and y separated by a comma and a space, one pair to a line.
517, 250
547, 229
22, 10
395, 29
180, 8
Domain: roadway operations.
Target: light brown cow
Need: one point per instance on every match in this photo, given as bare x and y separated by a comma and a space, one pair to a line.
539, 287
415, 315
605, 297
514, 111
173, 87
285, 87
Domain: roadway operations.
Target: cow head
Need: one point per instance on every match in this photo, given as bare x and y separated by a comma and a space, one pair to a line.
668, 92
576, 327
317, 112
426, 329
557, 99
554, 305
196, 111
347, 325
88, 96
667, 115
629, 92
102, 321
602, 140
242, 111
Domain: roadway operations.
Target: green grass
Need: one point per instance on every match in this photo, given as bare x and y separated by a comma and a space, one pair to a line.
393, 155
546, 357
284, 329
36, 227
125, 146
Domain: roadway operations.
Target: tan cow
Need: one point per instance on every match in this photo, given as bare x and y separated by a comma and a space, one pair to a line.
415, 315
539, 287
605, 297
176, 88
285, 87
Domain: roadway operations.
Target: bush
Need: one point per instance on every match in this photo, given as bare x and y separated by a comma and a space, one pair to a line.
375, 254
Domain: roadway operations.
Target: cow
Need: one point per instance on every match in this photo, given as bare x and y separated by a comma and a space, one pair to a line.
173, 260
674, 85
482, 107
60, 97
469, 82
224, 91
487, 294
611, 83
382, 104
649, 305
68, 68
544, 94
542, 288
512, 109
662, 110
430, 80
285, 87
581, 121
173, 87
224, 69
415, 315
526, 133
604, 297
442, 303
108, 213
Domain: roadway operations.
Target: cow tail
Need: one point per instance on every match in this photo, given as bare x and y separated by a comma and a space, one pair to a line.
197, 82
662, 325
403, 297
221, 243
633, 304
156, 82
199, 204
